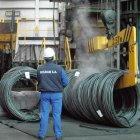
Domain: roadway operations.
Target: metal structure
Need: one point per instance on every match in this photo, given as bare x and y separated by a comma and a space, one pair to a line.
32, 9
68, 20
26, 30
7, 44
97, 96
40, 54
36, 30
129, 17
126, 35
76, 32
71, 18
1, 19
68, 62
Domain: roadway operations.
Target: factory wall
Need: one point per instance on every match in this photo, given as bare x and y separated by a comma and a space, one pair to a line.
32, 9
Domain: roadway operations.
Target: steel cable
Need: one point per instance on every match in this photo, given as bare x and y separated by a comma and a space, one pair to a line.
93, 97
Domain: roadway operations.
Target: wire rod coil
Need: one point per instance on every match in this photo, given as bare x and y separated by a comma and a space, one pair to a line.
94, 98
6, 84
89, 96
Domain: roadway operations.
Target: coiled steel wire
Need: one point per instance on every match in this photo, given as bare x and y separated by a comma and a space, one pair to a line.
89, 96
94, 98
6, 85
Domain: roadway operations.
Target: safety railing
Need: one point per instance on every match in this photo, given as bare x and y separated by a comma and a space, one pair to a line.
40, 54
1, 19
36, 30
41, 57
68, 61
5, 47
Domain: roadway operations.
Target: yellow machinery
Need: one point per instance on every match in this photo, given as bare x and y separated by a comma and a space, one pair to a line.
40, 54
7, 40
126, 35
8, 32
68, 62
1, 19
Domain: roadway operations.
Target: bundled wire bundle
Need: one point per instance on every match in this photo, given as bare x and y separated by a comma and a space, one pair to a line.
95, 99
6, 85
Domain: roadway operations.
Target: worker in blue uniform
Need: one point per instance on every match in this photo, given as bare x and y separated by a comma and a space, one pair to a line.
52, 80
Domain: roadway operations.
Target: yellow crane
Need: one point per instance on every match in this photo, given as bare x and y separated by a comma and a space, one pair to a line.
126, 35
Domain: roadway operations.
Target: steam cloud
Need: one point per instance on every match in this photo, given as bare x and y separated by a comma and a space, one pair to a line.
85, 28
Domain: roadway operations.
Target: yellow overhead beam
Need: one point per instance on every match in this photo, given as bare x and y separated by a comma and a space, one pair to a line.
126, 35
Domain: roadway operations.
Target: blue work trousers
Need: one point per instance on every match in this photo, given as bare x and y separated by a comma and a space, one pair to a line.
47, 99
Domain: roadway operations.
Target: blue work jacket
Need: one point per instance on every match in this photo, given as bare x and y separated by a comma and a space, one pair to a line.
51, 78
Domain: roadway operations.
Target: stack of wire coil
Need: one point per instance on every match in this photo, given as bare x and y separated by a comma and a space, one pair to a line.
6, 84
90, 95
94, 98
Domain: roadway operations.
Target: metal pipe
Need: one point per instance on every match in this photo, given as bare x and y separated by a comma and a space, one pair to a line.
54, 30
12, 47
112, 49
106, 4
7, 41
12, 31
138, 34
118, 30
13, 21
101, 5
34, 53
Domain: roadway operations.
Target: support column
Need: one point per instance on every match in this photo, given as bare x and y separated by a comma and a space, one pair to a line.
138, 33
37, 13
118, 30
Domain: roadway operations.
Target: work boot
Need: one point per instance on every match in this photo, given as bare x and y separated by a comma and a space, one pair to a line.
41, 138
60, 138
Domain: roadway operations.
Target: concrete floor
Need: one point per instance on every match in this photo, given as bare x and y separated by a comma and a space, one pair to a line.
13, 130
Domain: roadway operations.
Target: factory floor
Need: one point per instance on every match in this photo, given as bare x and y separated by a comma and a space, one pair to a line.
16, 130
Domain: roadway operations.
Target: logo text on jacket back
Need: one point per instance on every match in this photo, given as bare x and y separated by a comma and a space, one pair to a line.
50, 71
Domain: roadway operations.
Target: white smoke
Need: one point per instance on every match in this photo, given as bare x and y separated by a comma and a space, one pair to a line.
85, 25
